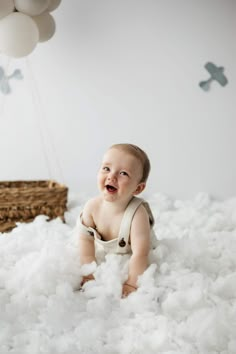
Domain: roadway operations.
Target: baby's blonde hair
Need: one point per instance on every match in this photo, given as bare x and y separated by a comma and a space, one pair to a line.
135, 151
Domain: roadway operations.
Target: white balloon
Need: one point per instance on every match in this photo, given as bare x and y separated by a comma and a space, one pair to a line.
6, 7
46, 26
19, 35
32, 7
53, 4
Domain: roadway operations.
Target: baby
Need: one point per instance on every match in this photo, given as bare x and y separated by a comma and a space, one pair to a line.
116, 218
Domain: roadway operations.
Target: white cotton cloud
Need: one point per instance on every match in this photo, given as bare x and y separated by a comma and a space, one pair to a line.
185, 303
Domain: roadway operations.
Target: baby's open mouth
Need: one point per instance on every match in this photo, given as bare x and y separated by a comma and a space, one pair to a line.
110, 188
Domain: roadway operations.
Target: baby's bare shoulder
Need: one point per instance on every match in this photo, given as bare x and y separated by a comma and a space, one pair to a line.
89, 210
140, 220
141, 213
91, 203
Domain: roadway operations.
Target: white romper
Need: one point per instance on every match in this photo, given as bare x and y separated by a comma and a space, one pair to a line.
120, 244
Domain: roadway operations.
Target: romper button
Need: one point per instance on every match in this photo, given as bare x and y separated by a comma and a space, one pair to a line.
91, 233
122, 243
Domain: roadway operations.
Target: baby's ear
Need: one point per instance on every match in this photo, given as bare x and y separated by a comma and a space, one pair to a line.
140, 188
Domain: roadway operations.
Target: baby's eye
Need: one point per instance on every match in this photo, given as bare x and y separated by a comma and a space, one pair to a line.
123, 173
105, 168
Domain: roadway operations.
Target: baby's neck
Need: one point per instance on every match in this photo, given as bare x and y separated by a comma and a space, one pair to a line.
116, 206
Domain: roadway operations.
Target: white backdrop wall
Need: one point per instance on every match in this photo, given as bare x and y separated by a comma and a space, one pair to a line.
127, 71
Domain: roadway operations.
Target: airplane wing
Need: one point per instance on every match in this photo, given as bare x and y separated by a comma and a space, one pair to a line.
211, 68
4, 87
17, 74
221, 79
217, 73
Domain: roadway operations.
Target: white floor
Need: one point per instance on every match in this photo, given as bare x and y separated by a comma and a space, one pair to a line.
186, 303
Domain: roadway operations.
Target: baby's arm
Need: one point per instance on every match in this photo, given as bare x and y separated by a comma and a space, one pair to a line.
86, 249
140, 245
86, 243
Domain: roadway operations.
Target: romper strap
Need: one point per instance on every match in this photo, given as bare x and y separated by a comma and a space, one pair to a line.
123, 237
151, 217
85, 230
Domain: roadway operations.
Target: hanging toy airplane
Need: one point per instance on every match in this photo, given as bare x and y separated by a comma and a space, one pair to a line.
217, 73
4, 80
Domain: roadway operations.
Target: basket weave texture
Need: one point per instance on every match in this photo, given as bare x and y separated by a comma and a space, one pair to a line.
22, 201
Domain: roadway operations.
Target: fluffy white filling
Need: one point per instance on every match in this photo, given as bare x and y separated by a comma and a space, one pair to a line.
185, 303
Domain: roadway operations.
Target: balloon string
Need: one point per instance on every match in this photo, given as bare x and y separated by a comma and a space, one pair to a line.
42, 122
41, 135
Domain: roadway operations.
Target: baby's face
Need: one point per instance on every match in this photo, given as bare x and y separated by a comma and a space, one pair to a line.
119, 175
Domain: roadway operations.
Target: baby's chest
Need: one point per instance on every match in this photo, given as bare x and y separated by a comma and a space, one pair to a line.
108, 227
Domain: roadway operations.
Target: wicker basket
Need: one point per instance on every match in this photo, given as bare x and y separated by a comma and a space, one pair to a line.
22, 201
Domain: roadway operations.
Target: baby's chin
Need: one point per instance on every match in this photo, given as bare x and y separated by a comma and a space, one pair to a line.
109, 199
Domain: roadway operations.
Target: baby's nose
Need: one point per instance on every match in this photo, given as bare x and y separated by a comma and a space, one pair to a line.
111, 176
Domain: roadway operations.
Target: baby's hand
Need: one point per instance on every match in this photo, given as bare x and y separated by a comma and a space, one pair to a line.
127, 289
85, 279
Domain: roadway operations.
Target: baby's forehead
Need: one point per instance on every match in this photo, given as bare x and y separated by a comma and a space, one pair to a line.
114, 154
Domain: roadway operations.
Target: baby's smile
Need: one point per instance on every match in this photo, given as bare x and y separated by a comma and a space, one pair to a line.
110, 188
